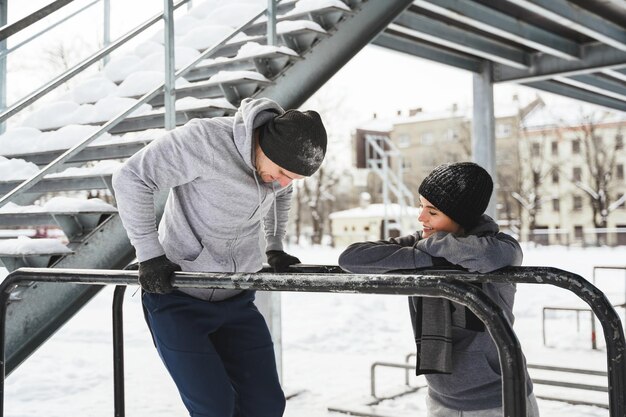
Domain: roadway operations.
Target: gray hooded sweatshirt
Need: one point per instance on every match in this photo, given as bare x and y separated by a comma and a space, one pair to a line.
217, 202
475, 382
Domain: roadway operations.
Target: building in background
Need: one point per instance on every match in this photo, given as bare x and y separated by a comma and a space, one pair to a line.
560, 171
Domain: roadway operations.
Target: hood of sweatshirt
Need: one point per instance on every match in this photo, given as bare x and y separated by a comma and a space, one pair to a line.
252, 113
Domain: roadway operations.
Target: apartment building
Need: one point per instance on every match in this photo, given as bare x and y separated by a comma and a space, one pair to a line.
549, 164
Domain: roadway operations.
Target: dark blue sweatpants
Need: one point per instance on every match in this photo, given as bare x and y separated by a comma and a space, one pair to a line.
219, 354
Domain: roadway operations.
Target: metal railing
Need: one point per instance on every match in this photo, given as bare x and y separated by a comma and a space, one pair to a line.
323, 279
70, 153
451, 284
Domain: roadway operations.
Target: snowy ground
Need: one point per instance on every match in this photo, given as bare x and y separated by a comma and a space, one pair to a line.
330, 341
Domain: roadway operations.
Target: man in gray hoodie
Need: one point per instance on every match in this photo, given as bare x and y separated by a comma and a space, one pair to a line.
226, 177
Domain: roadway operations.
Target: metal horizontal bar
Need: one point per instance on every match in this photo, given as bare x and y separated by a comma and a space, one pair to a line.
570, 401
458, 39
563, 384
509, 350
13, 28
596, 84
619, 74
399, 42
578, 94
568, 370
569, 15
595, 57
91, 153
42, 219
500, 24
95, 182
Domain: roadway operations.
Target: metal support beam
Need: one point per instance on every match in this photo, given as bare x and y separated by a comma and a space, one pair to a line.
4, 10
596, 57
568, 14
400, 42
578, 94
596, 84
500, 24
483, 129
322, 62
439, 33
170, 68
271, 23
619, 74
106, 30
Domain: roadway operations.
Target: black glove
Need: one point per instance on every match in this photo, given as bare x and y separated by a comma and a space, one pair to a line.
280, 261
155, 275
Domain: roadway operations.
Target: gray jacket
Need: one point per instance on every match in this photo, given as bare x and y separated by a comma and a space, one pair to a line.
213, 215
475, 382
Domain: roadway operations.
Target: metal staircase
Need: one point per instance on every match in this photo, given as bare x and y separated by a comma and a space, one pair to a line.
98, 240
383, 157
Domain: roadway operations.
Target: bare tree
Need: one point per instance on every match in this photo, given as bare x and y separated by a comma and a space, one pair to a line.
318, 192
533, 169
600, 163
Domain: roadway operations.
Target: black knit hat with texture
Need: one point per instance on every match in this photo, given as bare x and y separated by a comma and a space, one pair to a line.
460, 190
295, 141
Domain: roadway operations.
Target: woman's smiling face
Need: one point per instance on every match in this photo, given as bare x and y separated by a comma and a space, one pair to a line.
434, 220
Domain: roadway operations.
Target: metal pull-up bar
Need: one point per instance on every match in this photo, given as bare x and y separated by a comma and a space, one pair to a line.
450, 284
324, 279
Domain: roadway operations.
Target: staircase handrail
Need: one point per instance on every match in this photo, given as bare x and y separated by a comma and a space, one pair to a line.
73, 151
78, 68
6, 52
12, 28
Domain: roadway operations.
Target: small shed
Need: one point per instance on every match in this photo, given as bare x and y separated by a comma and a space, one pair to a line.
366, 222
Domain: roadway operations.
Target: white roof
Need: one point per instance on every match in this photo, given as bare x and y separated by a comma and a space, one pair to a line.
373, 210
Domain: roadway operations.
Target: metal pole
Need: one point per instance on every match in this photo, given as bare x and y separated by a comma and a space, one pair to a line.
483, 128
4, 9
106, 30
118, 351
170, 68
385, 195
271, 23
4, 300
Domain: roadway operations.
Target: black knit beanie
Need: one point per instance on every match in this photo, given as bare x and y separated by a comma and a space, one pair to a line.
460, 190
295, 141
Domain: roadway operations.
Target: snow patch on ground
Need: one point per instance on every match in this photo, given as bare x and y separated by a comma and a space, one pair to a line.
24, 245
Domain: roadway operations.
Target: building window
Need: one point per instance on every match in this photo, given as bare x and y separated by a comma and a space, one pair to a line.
427, 138
576, 146
404, 141
578, 203
555, 148
535, 150
556, 204
503, 130
555, 177
452, 135
578, 232
619, 141
366, 228
619, 171
577, 173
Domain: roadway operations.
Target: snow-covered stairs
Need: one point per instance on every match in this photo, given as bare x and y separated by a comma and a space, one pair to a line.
325, 34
